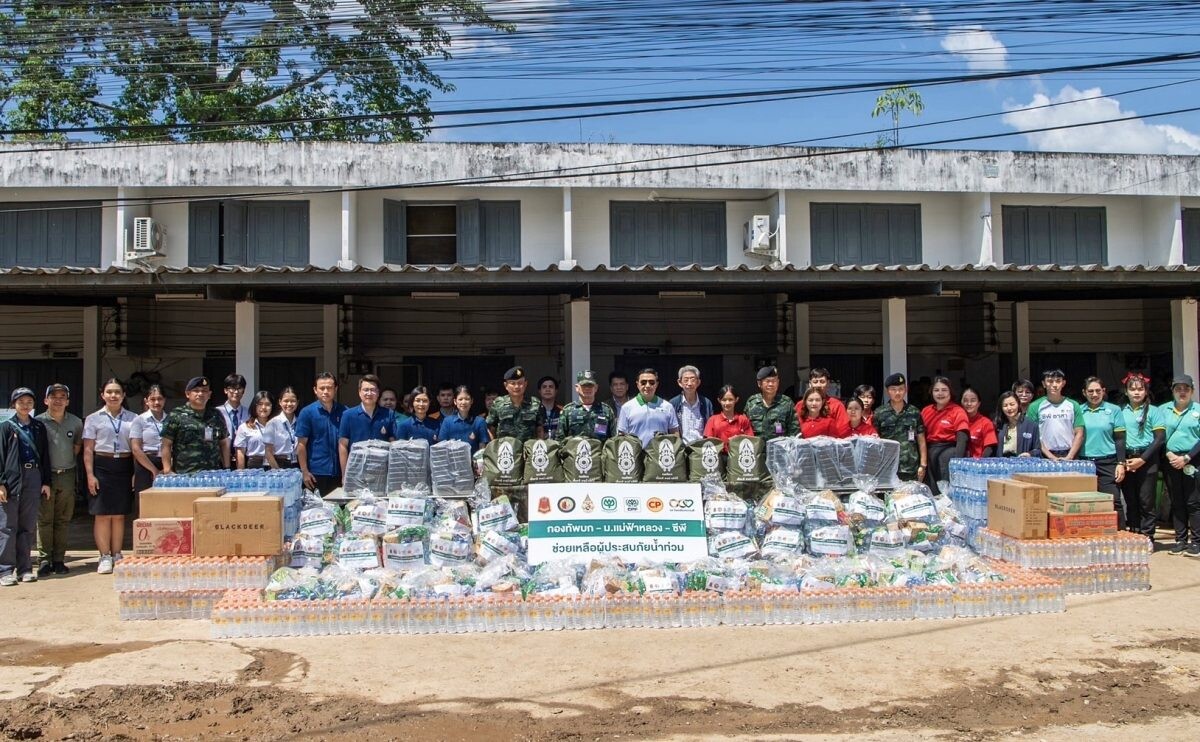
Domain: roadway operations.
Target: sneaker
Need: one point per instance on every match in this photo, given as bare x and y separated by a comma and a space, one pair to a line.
1193, 551
29, 577
60, 568
118, 557
1179, 548
8, 579
106, 565
44, 569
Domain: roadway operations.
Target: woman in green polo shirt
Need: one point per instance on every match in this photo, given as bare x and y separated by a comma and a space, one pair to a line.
1144, 438
1104, 442
1181, 420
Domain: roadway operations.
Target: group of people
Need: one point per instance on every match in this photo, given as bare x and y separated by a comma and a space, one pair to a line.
123, 452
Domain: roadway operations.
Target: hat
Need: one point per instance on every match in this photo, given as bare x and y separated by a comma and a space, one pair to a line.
19, 392
58, 388
196, 381
895, 380
514, 373
586, 378
1053, 373
767, 372
1179, 379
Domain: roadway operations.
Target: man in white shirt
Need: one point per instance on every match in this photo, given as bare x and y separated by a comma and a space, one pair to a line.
647, 414
691, 409
233, 411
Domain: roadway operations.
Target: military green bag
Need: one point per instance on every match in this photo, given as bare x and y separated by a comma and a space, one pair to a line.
747, 461
504, 463
706, 457
582, 459
542, 461
664, 460
623, 459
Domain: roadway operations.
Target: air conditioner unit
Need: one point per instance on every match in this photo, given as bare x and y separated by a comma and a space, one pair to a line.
149, 239
756, 237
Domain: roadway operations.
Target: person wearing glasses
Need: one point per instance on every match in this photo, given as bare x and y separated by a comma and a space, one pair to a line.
647, 414
367, 421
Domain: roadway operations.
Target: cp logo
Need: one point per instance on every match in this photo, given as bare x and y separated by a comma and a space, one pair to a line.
654, 504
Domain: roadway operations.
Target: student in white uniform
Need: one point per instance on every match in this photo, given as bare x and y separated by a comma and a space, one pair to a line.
145, 439
108, 461
279, 436
248, 442
233, 411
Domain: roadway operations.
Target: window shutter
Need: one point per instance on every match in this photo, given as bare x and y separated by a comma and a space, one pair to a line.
501, 233
1191, 237
395, 232
469, 252
87, 237
8, 236
712, 238
622, 227
233, 227
823, 218
1091, 240
295, 231
851, 225
204, 233
1016, 235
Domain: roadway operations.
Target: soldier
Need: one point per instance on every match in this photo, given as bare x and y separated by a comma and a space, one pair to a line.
901, 422
516, 416
771, 414
194, 438
586, 418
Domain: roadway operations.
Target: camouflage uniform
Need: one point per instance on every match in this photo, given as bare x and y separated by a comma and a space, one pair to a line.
903, 427
578, 421
522, 424
772, 422
190, 452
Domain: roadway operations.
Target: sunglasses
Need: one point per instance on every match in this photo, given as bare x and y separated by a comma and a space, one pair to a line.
648, 382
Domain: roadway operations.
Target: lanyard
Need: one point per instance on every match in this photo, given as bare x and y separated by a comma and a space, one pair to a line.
157, 424
287, 426
115, 423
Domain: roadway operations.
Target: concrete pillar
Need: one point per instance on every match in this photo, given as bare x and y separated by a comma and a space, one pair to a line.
895, 337
329, 339
245, 342
803, 346
91, 352
577, 328
568, 257
987, 251
349, 254
1020, 340
1175, 255
123, 238
781, 226
1185, 338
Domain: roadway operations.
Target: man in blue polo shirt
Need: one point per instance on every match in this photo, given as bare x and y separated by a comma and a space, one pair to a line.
647, 414
317, 428
368, 421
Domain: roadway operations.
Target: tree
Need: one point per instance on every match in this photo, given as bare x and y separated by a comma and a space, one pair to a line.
262, 69
895, 101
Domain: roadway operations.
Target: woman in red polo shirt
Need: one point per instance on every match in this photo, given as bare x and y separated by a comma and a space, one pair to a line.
859, 424
816, 419
946, 432
728, 422
981, 431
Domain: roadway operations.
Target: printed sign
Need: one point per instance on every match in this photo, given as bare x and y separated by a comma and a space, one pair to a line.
634, 522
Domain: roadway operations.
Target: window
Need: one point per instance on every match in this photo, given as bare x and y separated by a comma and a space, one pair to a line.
1191, 236
667, 233
248, 233
50, 235
865, 234
444, 233
1061, 235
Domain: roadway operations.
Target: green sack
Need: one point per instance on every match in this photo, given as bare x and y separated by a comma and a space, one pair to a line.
747, 460
623, 459
706, 457
664, 460
541, 461
504, 463
582, 459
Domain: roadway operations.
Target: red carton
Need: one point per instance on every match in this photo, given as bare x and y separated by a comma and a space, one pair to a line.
162, 536
1081, 525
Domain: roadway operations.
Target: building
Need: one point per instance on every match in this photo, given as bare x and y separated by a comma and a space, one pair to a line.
444, 261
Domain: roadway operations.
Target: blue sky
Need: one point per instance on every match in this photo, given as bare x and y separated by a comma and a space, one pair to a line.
550, 60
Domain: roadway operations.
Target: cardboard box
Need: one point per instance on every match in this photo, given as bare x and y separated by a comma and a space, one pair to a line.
167, 502
1081, 502
1081, 525
1060, 482
238, 526
162, 536
1017, 509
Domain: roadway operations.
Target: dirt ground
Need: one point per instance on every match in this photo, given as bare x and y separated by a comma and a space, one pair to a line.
1115, 666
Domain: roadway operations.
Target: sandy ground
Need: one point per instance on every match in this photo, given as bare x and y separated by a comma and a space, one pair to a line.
1111, 667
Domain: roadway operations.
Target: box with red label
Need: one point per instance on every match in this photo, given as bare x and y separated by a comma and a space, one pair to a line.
162, 536
1081, 525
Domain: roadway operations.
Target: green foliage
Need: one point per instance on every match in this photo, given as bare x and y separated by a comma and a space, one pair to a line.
895, 101
261, 65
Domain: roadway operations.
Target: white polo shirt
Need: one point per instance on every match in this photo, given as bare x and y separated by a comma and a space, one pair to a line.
647, 420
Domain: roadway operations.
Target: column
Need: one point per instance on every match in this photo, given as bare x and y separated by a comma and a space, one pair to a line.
895, 337
122, 238
1185, 338
803, 345
329, 339
781, 227
1020, 340
1175, 254
987, 253
91, 351
577, 328
245, 342
349, 252
568, 259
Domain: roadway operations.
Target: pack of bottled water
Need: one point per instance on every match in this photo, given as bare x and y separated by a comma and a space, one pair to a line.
969, 478
287, 484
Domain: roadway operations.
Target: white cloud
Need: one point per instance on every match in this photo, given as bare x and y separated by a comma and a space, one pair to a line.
919, 17
1132, 136
982, 50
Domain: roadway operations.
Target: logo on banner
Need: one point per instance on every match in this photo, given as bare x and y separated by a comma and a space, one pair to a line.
632, 504
626, 461
566, 504
682, 504
504, 457
588, 505
654, 505
608, 504
540, 461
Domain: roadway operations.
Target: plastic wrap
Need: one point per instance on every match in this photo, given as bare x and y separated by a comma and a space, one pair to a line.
878, 458
358, 552
406, 548
497, 515
807, 469
408, 465
783, 463
317, 517
369, 517
834, 460
367, 467
451, 469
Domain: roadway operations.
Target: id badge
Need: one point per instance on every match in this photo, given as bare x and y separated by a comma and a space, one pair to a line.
208, 435
601, 427
912, 436
778, 428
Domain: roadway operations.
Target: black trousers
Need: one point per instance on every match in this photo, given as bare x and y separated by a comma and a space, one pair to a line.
939, 465
1139, 490
1185, 503
325, 484
1106, 482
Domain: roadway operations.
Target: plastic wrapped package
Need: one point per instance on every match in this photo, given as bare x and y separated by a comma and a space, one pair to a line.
497, 515
406, 548
408, 465
829, 540
308, 551
887, 542
504, 462
783, 463
726, 514
782, 543
451, 469
503, 576
834, 460
358, 552
492, 545
713, 487
878, 458
542, 462
732, 545
709, 574
317, 517
407, 511
824, 509
369, 517
611, 577
663, 460
705, 458
582, 460
779, 509
553, 578
450, 547
807, 470
658, 579
367, 467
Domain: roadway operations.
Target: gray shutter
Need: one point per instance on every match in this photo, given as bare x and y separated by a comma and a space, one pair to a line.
264, 234
501, 233
905, 237
622, 233
1191, 237
1065, 238
88, 223
823, 233
60, 237
850, 229
8, 236
395, 231
877, 234
1016, 235
1091, 240
296, 235
682, 235
1041, 236
651, 245
469, 252
713, 240
233, 229
31, 239
204, 233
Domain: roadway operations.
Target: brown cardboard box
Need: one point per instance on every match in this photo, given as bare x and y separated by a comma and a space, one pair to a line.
168, 502
238, 526
161, 536
1081, 502
1017, 509
1060, 482
1081, 525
